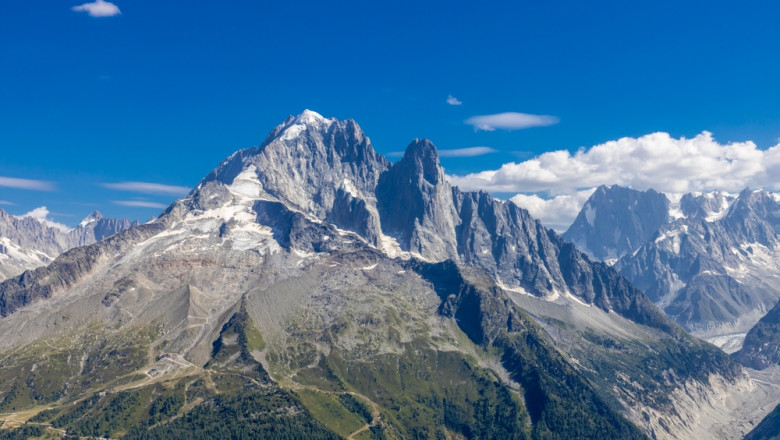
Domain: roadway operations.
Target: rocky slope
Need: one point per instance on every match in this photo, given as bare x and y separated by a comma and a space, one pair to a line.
762, 343
768, 429
371, 299
27, 243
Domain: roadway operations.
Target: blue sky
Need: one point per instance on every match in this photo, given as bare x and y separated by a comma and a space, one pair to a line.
163, 91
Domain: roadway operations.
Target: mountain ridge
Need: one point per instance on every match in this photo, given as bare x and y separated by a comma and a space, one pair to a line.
472, 285
27, 243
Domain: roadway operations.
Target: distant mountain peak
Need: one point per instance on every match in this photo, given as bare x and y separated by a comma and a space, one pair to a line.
29, 242
616, 220
91, 218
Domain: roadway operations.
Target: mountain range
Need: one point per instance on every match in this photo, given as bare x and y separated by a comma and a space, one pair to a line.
710, 261
27, 243
310, 288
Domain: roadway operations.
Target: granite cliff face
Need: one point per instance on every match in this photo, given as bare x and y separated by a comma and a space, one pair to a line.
313, 269
615, 221
27, 243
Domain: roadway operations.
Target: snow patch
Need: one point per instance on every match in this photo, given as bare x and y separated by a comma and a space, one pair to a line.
571, 297
728, 343
723, 209
551, 298
673, 237
590, 214
246, 184
302, 122
14, 252
371, 267
87, 221
389, 245
349, 187
520, 290
675, 212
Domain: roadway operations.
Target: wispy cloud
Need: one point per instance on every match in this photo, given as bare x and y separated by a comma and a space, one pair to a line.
451, 100
455, 152
5, 202
656, 161
139, 204
149, 188
467, 152
510, 121
37, 185
42, 215
98, 8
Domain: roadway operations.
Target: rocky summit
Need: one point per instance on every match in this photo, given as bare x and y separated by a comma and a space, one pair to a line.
310, 288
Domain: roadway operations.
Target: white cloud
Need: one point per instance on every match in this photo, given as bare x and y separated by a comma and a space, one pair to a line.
655, 161
37, 185
467, 152
149, 188
455, 152
140, 204
5, 202
451, 100
558, 212
42, 215
98, 8
510, 121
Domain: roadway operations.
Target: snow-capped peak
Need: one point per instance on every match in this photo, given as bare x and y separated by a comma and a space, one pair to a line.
309, 117
92, 218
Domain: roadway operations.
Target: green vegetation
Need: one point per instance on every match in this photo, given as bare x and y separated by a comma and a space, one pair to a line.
356, 406
248, 415
329, 409
23, 433
46, 372
559, 401
424, 392
111, 414
320, 376
238, 354
235, 408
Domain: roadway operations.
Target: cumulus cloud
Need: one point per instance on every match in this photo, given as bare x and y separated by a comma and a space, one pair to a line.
557, 212
510, 121
42, 215
140, 204
149, 188
466, 152
37, 185
98, 8
451, 100
655, 161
